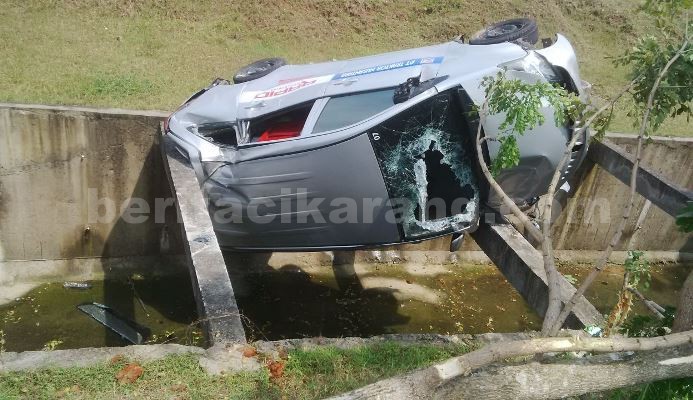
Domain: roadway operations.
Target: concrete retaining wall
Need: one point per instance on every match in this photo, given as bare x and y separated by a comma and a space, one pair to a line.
57, 162
591, 215
57, 165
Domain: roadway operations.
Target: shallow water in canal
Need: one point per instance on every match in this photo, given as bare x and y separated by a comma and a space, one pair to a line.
289, 302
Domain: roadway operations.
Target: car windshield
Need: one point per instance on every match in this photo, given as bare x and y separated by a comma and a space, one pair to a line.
347, 110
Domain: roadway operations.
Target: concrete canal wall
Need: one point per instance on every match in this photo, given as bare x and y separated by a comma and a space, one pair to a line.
590, 217
67, 177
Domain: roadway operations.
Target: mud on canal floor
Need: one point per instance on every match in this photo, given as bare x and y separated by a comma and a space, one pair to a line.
290, 302
47, 316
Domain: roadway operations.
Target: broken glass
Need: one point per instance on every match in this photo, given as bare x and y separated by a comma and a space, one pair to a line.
426, 156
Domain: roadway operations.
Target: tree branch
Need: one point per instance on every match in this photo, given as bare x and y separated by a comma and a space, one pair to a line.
601, 263
552, 275
423, 383
620, 311
654, 308
465, 364
554, 379
531, 230
684, 309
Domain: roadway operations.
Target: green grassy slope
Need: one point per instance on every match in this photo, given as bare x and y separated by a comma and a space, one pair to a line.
137, 54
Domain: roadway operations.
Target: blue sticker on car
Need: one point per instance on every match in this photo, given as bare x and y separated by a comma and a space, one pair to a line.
389, 67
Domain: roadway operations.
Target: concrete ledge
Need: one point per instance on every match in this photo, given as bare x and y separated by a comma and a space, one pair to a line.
33, 360
14, 273
663, 193
214, 295
86, 268
619, 257
402, 338
80, 109
228, 358
316, 262
17, 277
655, 139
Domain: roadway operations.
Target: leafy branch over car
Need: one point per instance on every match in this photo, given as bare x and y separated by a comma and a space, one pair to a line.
661, 72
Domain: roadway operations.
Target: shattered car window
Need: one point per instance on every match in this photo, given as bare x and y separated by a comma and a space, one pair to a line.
426, 156
221, 133
348, 110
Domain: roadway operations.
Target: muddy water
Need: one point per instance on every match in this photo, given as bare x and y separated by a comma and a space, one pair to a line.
665, 283
386, 299
409, 299
48, 313
291, 302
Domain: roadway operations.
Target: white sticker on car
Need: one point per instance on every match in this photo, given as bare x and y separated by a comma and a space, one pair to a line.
391, 66
285, 88
292, 86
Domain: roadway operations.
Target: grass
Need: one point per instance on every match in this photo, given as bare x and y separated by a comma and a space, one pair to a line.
671, 389
313, 374
152, 55
310, 374
116, 87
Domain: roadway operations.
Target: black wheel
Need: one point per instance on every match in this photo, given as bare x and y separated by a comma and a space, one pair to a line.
258, 69
512, 30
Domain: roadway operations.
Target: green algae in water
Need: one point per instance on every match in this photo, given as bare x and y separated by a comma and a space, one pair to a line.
49, 314
290, 303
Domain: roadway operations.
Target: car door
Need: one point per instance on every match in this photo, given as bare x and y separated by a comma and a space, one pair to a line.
428, 162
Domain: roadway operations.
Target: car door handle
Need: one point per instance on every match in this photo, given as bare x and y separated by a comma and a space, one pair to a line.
259, 104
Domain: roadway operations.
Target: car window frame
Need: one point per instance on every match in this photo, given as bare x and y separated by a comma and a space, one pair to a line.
195, 130
313, 116
308, 130
244, 125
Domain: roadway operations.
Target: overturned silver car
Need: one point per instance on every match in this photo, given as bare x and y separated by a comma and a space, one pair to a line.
369, 151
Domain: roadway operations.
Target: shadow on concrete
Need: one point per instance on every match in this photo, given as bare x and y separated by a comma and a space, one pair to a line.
155, 279
287, 302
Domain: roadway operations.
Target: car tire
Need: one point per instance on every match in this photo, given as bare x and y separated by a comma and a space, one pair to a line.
523, 30
258, 69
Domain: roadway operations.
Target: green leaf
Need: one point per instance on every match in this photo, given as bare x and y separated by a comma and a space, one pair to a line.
522, 103
508, 155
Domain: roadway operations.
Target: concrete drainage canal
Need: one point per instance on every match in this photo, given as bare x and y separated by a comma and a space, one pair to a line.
292, 302
76, 272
